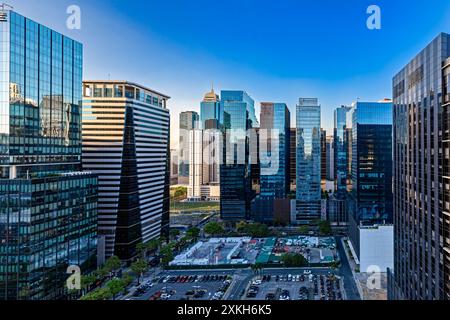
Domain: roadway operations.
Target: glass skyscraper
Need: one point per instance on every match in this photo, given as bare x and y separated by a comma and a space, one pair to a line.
370, 198
48, 207
341, 151
235, 170
275, 137
421, 183
126, 130
189, 120
308, 160
211, 113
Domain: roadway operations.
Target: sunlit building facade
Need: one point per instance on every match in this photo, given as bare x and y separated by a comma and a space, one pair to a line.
48, 206
421, 180
308, 160
126, 130
235, 170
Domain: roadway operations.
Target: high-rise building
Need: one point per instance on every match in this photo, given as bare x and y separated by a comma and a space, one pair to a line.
370, 199
272, 204
173, 167
323, 158
126, 143
48, 206
235, 169
275, 150
211, 116
308, 160
330, 158
189, 120
195, 165
421, 183
293, 160
211, 113
340, 151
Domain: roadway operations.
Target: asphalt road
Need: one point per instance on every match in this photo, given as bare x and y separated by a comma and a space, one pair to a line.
346, 272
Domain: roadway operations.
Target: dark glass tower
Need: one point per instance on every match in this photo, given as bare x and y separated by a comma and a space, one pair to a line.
308, 160
275, 135
48, 207
340, 151
421, 184
235, 170
370, 198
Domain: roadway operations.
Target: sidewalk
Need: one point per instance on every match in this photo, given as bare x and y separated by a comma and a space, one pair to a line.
353, 267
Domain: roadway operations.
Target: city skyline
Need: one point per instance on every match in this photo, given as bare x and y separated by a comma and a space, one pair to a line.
200, 58
334, 202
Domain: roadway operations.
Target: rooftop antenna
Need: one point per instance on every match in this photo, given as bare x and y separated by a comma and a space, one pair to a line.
5, 6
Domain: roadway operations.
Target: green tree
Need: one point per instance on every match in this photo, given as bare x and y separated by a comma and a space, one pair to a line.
99, 294
258, 230
115, 286
166, 255
139, 267
193, 233
241, 227
101, 272
174, 233
303, 230
294, 260
113, 264
87, 282
214, 229
325, 228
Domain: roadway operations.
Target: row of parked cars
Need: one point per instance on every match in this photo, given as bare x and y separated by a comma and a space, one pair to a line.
327, 287
191, 279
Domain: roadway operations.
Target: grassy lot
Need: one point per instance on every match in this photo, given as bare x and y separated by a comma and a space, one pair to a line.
194, 207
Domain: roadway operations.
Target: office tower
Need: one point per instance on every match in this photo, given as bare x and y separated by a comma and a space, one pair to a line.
370, 199
340, 151
235, 170
126, 143
308, 160
275, 150
189, 120
211, 114
421, 196
173, 167
293, 159
323, 159
195, 165
255, 160
330, 158
274, 143
48, 207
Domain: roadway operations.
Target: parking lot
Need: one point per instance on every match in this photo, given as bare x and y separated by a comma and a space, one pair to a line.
185, 287
304, 286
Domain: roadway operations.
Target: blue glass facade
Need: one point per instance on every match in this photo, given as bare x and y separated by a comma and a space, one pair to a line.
371, 193
211, 113
341, 151
48, 209
235, 171
275, 133
308, 160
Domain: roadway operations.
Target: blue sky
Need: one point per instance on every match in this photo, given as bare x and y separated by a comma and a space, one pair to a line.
275, 50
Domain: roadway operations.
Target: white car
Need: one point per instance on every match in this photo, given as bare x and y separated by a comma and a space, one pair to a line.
257, 282
307, 272
165, 296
